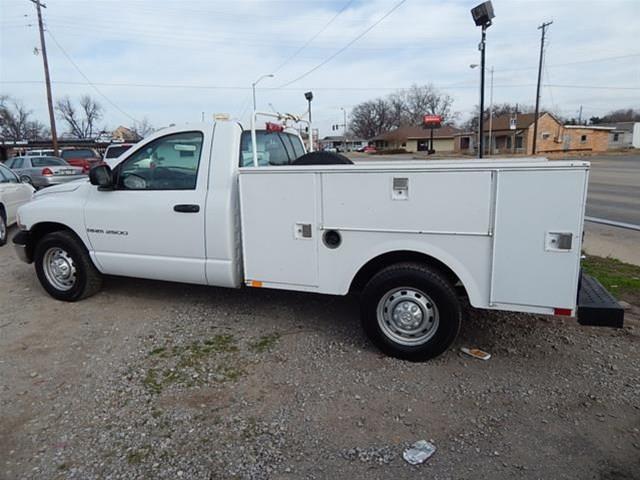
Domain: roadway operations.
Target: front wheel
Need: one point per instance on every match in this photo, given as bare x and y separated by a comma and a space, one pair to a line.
410, 311
3, 228
64, 268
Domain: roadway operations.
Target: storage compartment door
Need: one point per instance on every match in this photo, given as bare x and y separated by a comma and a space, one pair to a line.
538, 234
279, 228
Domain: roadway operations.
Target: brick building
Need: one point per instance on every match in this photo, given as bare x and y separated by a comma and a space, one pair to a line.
513, 134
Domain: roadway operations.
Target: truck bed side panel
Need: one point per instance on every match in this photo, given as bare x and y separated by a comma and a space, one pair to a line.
435, 202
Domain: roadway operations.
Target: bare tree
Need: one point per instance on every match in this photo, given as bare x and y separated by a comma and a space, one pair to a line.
16, 123
621, 115
142, 128
404, 107
371, 118
80, 122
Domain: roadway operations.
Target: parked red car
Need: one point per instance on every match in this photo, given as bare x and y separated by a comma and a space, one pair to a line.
369, 149
82, 157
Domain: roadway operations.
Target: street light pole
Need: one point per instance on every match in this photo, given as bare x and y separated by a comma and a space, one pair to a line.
309, 97
481, 129
482, 16
253, 87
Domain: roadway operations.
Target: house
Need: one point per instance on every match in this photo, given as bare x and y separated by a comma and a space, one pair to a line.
124, 134
416, 139
623, 135
340, 143
513, 133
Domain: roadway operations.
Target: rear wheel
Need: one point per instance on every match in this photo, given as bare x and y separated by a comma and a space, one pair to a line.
64, 268
410, 311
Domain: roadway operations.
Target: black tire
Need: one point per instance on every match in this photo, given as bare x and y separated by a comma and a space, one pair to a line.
322, 158
87, 279
418, 283
4, 231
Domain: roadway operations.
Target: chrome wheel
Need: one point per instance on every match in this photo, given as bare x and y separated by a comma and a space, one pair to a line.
59, 269
3, 230
407, 316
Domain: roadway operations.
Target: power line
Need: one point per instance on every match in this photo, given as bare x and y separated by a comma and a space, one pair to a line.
113, 104
297, 89
334, 55
295, 54
578, 62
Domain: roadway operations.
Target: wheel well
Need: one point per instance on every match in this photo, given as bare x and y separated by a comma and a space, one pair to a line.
41, 229
376, 264
2, 211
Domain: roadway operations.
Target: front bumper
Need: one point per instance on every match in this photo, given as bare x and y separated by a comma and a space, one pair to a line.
596, 306
23, 247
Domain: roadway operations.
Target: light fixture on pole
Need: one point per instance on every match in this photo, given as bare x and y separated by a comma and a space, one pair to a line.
482, 15
309, 97
253, 87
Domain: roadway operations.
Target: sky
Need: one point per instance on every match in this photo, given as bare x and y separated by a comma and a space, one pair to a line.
173, 61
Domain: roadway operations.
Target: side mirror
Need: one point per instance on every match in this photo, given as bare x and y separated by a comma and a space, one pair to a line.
101, 176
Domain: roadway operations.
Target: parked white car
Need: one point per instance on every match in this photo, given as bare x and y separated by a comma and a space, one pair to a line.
222, 206
13, 194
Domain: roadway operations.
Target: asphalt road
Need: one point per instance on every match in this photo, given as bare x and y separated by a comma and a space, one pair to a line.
614, 188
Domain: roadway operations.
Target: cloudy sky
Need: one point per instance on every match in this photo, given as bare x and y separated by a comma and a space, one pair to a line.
171, 60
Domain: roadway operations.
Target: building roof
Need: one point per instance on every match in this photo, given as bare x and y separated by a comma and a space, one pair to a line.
523, 120
590, 127
622, 126
411, 132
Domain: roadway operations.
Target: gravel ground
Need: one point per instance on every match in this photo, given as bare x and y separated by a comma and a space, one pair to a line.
158, 380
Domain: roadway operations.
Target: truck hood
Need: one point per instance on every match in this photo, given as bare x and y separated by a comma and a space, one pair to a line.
62, 188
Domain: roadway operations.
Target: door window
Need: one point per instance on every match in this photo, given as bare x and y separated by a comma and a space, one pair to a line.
7, 176
168, 163
17, 163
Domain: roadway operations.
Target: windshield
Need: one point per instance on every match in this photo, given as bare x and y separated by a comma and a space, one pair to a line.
274, 148
47, 162
113, 152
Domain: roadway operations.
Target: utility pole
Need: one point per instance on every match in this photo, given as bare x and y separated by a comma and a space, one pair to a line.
47, 79
345, 128
490, 114
580, 116
542, 27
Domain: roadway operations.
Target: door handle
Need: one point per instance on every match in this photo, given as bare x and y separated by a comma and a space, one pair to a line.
186, 208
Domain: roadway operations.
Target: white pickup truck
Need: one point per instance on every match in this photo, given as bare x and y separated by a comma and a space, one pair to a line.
208, 204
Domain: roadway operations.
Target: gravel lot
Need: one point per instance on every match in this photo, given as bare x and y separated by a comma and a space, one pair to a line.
157, 380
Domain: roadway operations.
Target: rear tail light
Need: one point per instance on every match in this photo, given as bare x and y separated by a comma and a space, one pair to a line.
86, 167
47, 171
565, 312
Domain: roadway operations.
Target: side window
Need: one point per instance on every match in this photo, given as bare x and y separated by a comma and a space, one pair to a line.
18, 163
7, 176
273, 148
167, 163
